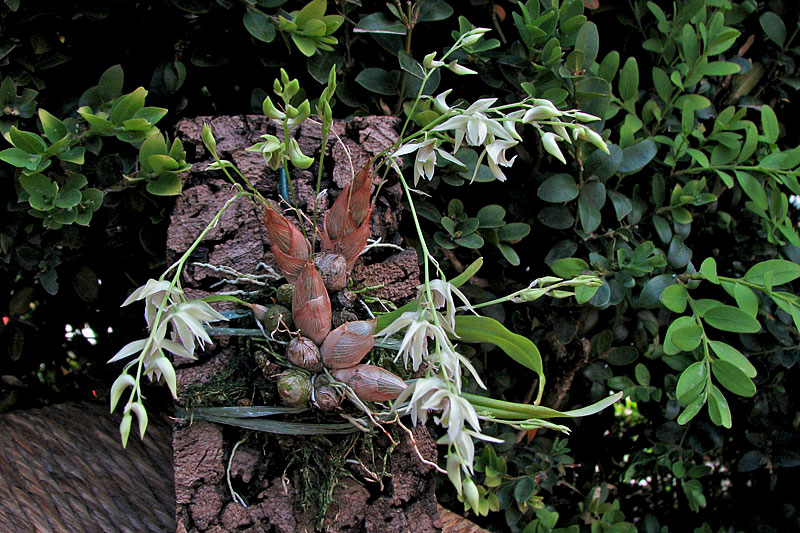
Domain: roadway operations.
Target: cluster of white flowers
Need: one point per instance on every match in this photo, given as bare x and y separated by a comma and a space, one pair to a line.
440, 390
483, 124
164, 304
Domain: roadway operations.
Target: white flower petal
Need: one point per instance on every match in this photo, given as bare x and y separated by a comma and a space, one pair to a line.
151, 287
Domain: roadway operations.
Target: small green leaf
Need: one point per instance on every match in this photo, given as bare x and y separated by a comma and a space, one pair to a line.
26, 141
558, 189
622, 204
473, 241
92, 198
609, 65
126, 106
99, 123
42, 191
312, 10
258, 24
53, 128
691, 410
779, 270
642, 375
379, 23
74, 155
153, 145
732, 378
753, 188
514, 232
110, 84
719, 68
687, 338
588, 42
435, 10
306, 45
589, 215
675, 298
491, 216
524, 489
728, 318
636, 156
773, 26
569, 267
165, 185
584, 293
629, 82
769, 123
509, 253
379, 81
746, 299
161, 163
663, 228
651, 292
681, 215
691, 382
708, 268
20, 158
718, 408
734, 356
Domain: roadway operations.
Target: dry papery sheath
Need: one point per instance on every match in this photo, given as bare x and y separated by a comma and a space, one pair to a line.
302, 352
346, 225
348, 344
371, 383
289, 246
311, 307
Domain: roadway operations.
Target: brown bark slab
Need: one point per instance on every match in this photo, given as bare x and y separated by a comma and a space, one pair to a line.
404, 501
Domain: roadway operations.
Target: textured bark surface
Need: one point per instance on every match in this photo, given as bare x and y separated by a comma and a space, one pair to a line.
405, 500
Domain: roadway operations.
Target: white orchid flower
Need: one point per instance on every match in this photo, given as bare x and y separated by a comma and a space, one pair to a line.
472, 123
496, 153
442, 292
425, 160
153, 293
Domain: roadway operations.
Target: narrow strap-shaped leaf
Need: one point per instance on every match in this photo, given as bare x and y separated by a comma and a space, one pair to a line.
468, 273
470, 328
233, 332
240, 412
279, 427
524, 411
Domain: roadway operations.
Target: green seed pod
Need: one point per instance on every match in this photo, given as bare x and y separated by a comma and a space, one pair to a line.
294, 388
285, 293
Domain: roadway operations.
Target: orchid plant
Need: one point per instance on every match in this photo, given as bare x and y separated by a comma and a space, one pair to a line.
431, 325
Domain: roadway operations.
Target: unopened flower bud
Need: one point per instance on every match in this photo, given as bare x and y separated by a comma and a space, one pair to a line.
460, 70
271, 111
296, 156
473, 36
429, 62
